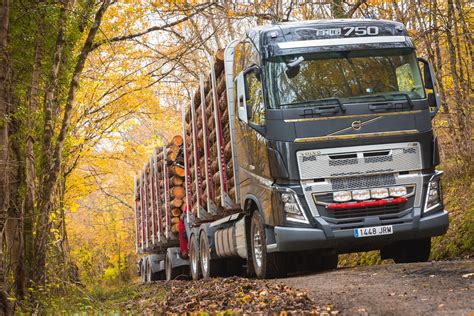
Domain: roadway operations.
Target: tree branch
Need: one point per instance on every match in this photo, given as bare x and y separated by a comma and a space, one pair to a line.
154, 28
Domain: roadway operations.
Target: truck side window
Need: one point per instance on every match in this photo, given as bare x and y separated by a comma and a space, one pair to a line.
255, 98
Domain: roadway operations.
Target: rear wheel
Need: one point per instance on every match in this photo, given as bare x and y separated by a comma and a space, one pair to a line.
266, 265
170, 272
412, 251
143, 271
151, 276
209, 267
194, 258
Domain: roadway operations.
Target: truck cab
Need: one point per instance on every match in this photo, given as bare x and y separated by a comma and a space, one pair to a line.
332, 141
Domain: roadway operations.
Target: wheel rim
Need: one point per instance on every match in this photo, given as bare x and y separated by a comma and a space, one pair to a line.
194, 258
168, 268
204, 258
148, 273
257, 248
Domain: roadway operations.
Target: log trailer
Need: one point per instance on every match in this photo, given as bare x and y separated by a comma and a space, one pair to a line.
304, 141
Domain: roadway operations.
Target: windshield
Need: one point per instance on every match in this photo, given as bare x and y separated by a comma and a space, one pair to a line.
350, 76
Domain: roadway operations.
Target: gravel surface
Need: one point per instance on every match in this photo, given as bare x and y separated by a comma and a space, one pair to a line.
434, 288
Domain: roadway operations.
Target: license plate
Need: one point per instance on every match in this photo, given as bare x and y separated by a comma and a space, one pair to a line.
373, 231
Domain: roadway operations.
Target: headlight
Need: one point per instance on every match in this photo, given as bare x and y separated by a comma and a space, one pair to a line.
433, 196
342, 196
292, 208
361, 195
398, 191
379, 193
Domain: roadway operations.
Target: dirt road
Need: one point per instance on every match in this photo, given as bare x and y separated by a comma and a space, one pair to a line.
435, 288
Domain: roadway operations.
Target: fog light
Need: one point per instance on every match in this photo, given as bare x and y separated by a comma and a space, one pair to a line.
398, 191
342, 196
379, 193
360, 195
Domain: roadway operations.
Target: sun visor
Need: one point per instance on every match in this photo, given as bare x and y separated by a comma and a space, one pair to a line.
337, 44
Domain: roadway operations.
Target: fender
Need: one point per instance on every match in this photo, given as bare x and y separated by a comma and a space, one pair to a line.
155, 260
175, 255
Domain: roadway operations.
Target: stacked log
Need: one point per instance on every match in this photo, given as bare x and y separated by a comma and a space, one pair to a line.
177, 192
206, 132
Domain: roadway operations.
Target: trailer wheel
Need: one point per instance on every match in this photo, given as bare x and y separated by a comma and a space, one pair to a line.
170, 272
194, 258
143, 271
209, 267
151, 276
266, 265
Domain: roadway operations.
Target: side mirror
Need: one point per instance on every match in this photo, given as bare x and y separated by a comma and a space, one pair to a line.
252, 70
430, 83
431, 100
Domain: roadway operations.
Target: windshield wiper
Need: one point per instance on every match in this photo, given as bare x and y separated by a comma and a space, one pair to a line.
384, 96
315, 102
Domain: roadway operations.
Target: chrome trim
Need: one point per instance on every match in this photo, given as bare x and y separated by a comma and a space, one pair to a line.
353, 136
329, 118
359, 125
343, 41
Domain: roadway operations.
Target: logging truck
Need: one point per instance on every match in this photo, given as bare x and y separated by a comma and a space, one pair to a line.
304, 141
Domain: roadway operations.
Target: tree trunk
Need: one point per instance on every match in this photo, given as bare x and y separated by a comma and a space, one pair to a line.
55, 161
5, 307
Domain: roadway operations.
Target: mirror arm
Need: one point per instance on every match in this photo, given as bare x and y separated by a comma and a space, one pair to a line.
259, 128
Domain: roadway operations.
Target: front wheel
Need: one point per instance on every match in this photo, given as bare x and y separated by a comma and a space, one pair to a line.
408, 251
266, 265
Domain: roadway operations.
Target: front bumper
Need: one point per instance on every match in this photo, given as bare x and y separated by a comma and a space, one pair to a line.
300, 239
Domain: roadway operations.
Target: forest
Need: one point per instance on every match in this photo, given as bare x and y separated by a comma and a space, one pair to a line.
88, 89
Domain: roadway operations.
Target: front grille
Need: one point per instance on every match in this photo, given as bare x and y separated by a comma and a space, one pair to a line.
349, 183
358, 160
363, 212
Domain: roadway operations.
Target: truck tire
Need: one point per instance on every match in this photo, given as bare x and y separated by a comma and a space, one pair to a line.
171, 273
151, 276
194, 264
408, 251
329, 262
209, 267
143, 271
266, 265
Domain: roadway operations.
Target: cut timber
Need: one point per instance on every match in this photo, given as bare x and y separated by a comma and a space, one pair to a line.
178, 171
177, 140
176, 211
176, 203
176, 181
175, 220
174, 228
228, 151
178, 192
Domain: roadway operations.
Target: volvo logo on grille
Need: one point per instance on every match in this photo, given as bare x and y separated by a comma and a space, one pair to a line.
356, 125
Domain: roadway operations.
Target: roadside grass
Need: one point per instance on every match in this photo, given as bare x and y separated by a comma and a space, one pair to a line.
80, 300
